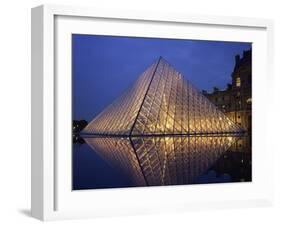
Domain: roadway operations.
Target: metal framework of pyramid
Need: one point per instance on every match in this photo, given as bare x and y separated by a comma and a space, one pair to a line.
150, 161
161, 102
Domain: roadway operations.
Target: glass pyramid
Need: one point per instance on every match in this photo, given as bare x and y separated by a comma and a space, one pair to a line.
161, 102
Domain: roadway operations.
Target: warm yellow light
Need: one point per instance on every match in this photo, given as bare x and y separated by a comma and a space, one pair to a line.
238, 82
169, 123
249, 100
169, 143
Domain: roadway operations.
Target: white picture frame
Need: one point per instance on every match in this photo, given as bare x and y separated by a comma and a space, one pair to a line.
52, 197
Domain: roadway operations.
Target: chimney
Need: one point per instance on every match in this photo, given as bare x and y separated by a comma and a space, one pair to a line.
229, 86
216, 89
237, 59
204, 92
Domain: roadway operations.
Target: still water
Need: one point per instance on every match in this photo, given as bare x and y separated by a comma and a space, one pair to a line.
117, 162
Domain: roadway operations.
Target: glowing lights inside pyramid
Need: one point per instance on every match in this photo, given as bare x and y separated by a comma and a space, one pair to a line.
155, 161
161, 102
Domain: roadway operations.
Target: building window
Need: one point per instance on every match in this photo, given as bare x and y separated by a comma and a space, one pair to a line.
238, 82
249, 100
236, 95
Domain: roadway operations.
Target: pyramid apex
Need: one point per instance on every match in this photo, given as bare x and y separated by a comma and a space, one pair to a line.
129, 116
161, 58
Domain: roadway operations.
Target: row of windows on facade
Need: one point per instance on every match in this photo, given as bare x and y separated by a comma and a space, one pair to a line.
218, 99
226, 108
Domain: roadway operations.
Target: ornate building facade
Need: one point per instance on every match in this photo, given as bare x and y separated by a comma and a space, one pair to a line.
236, 100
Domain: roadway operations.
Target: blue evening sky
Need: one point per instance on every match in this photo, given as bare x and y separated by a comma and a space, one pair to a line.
105, 66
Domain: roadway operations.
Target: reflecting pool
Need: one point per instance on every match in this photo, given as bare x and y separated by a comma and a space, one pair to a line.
117, 162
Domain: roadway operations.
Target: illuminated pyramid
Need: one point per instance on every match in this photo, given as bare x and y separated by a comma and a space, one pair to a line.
161, 102
148, 161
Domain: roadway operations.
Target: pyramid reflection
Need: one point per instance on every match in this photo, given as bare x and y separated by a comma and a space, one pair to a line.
162, 131
169, 160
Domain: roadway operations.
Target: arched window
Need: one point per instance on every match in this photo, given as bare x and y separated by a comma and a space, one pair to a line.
238, 82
